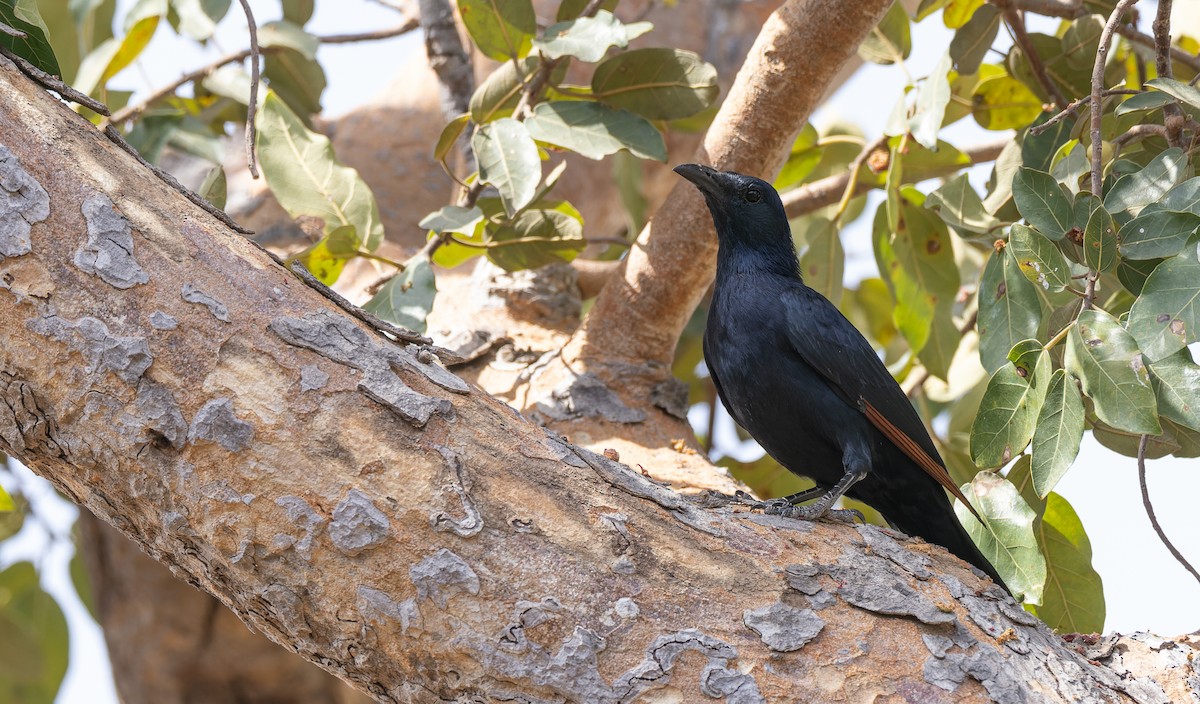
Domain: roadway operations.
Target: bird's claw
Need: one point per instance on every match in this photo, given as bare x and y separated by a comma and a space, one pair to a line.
813, 513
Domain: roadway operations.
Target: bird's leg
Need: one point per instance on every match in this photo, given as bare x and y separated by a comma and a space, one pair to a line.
856, 471
779, 503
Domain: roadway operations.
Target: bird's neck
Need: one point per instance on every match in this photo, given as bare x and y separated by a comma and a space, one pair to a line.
778, 258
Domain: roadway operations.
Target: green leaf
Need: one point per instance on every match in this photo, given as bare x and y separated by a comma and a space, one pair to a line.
931, 104
658, 84
823, 262
588, 38
110, 57
1106, 360
198, 18
1006, 418
1100, 241
943, 342
35, 47
918, 262
1009, 310
1176, 89
959, 12
328, 256
213, 187
536, 238
960, 206
1081, 41
595, 130
1004, 103
298, 80
1134, 191
570, 9
508, 159
973, 40
1043, 202
282, 33
928, 7
1176, 383
449, 136
804, 156
1166, 316
1132, 273
500, 92
1151, 100
407, 299
1073, 600
1072, 167
453, 218
1158, 234
1184, 197
298, 11
1058, 434
306, 178
890, 41
6, 504
1006, 536
1038, 150
1038, 258
501, 29
33, 652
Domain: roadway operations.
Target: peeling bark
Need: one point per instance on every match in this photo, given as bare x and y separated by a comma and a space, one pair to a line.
324, 529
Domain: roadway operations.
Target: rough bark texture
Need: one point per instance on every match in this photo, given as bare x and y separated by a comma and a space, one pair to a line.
172, 644
407, 532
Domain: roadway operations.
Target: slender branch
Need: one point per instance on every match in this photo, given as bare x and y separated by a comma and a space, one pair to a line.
852, 174
12, 31
818, 194
1016, 23
252, 108
447, 57
1141, 462
52, 82
1172, 113
1138, 132
1089, 292
132, 111
1190, 60
1097, 97
1074, 106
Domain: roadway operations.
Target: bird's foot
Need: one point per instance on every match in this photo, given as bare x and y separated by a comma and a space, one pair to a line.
813, 513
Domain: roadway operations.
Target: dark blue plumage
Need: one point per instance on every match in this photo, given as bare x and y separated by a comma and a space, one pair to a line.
801, 379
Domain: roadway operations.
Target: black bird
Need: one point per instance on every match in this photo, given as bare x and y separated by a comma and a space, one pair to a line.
802, 380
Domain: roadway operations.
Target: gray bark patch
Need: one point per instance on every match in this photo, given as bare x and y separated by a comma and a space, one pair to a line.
671, 396
717, 680
459, 485
312, 378
379, 607
587, 396
216, 422
783, 628
339, 339
305, 519
127, 357
357, 525
443, 575
109, 249
163, 321
869, 583
158, 412
191, 294
23, 202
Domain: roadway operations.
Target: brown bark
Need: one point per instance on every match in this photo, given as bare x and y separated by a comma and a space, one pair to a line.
170, 643
411, 534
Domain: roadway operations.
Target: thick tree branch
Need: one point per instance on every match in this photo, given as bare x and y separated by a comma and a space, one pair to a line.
404, 531
801, 46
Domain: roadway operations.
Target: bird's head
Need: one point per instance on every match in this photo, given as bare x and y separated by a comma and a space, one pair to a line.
744, 208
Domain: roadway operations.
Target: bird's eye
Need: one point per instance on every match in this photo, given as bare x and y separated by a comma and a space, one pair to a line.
753, 195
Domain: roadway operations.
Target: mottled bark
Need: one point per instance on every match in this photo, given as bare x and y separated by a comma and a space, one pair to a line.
405, 531
170, 643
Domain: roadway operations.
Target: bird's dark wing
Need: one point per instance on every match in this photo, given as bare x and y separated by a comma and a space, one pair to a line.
831, 345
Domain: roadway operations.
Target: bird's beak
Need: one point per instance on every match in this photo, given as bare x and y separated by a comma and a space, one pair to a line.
703, 176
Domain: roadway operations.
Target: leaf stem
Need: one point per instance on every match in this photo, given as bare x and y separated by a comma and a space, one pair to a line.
1059, 337
1141, 463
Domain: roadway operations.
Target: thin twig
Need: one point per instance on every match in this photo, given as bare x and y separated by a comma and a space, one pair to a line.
1089, 291
132, 111
818, 194
252, 108
1138, 132
55, 84
1141, 461
852, 172
1097, 98
1017, 24
1190, 60
12, 31
1172, 113
115, 136
1074, 106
